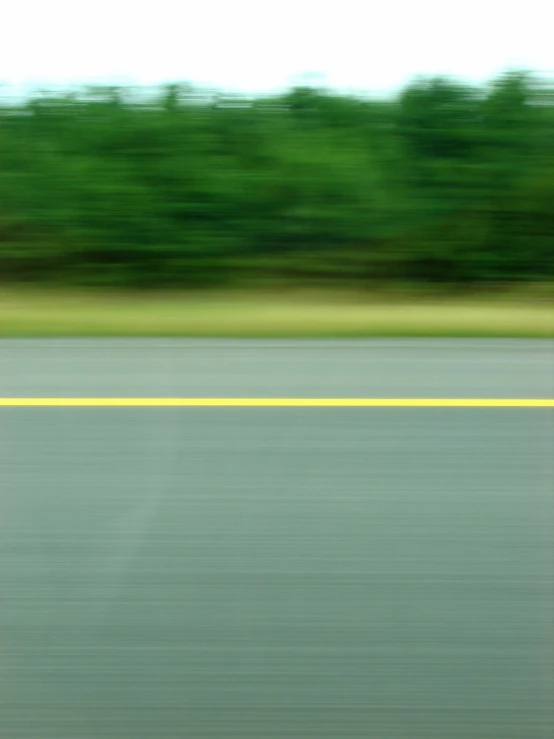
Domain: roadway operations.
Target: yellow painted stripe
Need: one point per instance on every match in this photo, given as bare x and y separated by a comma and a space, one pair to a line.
279, 402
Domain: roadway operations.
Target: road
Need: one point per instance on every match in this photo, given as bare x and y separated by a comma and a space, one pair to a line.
227, 368
277, 572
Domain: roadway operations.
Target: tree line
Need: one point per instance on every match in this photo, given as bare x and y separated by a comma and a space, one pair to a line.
446, 182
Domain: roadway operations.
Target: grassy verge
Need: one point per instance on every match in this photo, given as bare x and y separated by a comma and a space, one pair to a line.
29, 313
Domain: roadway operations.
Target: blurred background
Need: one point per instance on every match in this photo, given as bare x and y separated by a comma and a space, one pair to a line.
420, 150
444, 182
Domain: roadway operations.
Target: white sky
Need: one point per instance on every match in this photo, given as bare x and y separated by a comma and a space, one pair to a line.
262, 45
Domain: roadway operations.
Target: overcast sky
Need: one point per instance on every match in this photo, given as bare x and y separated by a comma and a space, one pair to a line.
263, 45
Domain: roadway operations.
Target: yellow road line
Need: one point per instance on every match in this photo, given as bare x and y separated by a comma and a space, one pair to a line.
279, 402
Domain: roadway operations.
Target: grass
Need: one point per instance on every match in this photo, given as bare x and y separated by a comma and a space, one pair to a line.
56, 313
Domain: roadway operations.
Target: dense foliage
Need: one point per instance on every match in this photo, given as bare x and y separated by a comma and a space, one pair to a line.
447, 182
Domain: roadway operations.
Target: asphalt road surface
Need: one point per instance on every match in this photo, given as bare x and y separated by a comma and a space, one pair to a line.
277, 572
227, 368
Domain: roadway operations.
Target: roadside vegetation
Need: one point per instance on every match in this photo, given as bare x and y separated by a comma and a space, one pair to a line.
447, 188
250, 314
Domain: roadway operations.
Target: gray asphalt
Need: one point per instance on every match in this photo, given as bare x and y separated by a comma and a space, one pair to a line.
208, 368
270, 572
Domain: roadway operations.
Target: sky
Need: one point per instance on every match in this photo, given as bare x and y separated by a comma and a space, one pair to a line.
267, 45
